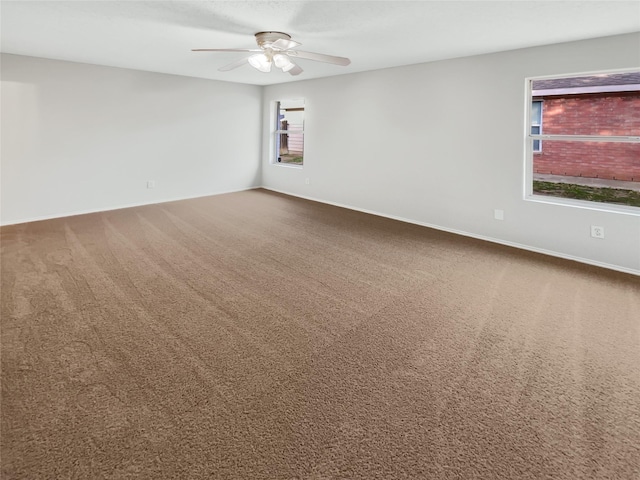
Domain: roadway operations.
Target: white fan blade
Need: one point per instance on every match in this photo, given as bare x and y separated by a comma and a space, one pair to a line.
236, 64
283, 44
295, 71
319, 57
224, 50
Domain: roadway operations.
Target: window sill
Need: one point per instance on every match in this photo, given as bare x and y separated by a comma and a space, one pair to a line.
588, 205
287, 165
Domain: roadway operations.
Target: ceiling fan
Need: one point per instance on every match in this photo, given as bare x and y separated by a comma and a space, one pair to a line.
275, 48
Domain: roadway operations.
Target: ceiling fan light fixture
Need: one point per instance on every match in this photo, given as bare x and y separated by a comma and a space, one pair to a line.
283, 62
260, 62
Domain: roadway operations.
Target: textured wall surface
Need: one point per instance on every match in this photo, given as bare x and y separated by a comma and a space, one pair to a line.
78, 138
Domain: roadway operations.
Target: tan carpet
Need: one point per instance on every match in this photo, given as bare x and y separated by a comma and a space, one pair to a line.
259, 336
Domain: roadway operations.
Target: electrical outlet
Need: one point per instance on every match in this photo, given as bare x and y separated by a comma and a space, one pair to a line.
151, 184
597, 232
307, 181
498, 214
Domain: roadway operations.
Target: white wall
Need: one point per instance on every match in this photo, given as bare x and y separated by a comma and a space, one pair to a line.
442, 144
79, 138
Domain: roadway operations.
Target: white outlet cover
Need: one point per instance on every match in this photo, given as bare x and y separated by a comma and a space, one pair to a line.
498, 214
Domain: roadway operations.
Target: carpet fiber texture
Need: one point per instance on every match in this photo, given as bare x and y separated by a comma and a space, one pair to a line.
259, 336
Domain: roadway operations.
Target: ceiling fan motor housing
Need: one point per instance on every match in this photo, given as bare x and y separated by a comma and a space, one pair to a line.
265, 39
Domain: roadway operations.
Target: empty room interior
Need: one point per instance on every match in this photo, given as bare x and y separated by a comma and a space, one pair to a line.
320, 239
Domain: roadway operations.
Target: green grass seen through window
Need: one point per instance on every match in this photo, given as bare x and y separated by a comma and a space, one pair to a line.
616, 196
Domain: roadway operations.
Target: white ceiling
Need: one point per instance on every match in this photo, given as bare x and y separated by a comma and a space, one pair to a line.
158, 35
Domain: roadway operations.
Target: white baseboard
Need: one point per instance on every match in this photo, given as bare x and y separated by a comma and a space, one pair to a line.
468, 234
120, 207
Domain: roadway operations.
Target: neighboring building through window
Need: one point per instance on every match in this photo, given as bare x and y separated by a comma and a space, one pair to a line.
536, 123
590, 125
289, 132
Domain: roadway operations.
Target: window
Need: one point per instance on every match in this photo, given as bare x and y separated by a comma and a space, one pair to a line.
591, 140
536, 123
288, 133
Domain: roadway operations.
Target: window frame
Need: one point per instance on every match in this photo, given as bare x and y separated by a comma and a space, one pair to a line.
276, 132
529, 151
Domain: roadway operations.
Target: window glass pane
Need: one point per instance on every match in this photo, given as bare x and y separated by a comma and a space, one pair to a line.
596, 171
291, 148
535, 130
605, 104
289, 132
